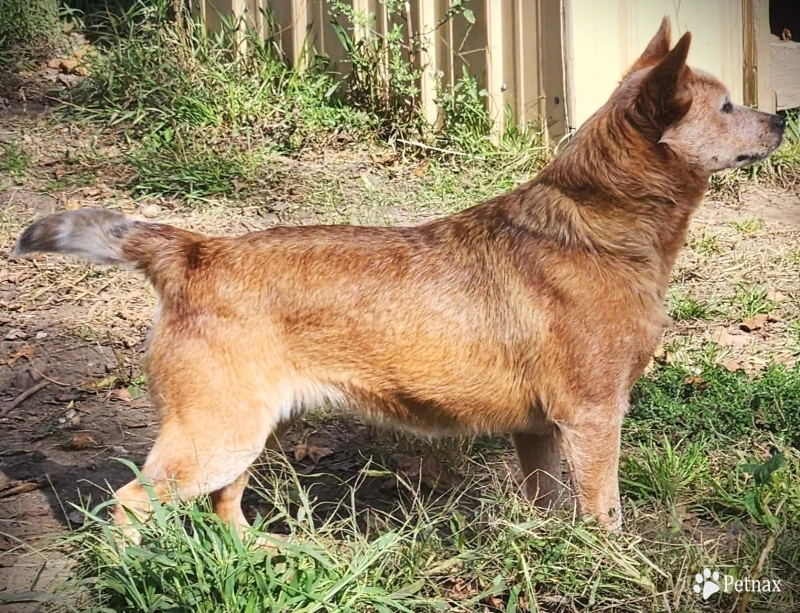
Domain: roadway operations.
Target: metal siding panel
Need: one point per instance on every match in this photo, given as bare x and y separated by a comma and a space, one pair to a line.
608, 35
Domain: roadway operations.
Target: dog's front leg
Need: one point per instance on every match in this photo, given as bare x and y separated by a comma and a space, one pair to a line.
592, 448
539, 454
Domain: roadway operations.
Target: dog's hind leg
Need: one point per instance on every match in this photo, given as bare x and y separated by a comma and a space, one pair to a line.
227, 501
592, 451
539, 456
190, 459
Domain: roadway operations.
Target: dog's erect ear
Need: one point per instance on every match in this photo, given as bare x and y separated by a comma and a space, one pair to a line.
656, 49
664, 96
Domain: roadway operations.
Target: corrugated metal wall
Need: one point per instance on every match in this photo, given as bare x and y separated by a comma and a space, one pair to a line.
513, 47
527, 53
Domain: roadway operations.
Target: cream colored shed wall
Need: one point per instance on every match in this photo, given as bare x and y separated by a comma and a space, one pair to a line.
608, 35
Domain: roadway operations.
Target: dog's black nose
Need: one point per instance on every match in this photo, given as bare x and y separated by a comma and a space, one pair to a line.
778, 121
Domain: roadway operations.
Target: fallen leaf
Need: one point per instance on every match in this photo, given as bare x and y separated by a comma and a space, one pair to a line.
122, 394
25, 352
102, 384
300, 452
19, 487
683, 513
80, 442
313, 452
774, 296
732, 364
70, 204
754, 323
723, 338
428, 469
15, 334
435, 475
697, 381
72, 420
69, 64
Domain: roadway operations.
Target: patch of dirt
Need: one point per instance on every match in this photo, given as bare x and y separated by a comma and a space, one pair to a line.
781, 205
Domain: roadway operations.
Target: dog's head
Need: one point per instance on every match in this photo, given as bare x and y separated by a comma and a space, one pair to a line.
690, 111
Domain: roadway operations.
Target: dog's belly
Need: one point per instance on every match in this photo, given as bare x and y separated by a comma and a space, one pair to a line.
437, 417
430, 406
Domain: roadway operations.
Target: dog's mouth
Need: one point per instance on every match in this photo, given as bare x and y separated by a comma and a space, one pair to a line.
750, 158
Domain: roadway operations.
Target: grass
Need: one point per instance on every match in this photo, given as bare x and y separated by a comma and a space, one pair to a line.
751, 300
168, 164
688, 308
478, 548
30, 31
717, 405
202, 119
16, 161
748, 227
718, 487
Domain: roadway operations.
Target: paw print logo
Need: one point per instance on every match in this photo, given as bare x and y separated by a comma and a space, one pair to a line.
706, 583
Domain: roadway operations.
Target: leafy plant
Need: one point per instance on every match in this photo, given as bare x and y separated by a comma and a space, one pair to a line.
763, 496
381, 74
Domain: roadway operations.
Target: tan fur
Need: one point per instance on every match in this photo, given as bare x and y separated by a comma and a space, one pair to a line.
531, 314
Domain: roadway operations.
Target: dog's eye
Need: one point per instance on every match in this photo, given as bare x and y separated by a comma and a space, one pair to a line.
727, 108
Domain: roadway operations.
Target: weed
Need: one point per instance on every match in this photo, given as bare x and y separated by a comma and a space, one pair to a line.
137, 386
706, 244
171, 164
748, 227
751, 300
202, 116
381, 77
759, 489
465, 118
481, 547
16, 161
687, 309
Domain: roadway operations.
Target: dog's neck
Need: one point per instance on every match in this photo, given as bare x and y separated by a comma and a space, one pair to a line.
625, 197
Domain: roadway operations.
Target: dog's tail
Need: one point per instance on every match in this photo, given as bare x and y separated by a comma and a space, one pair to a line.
108, 237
